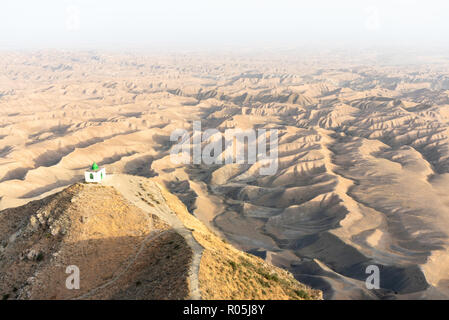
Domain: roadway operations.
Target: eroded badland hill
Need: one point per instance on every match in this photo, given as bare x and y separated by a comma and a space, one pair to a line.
362, 177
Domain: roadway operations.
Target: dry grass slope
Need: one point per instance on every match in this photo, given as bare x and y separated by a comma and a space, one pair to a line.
228, 273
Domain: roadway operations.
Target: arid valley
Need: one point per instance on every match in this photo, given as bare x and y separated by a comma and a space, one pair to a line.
363, 152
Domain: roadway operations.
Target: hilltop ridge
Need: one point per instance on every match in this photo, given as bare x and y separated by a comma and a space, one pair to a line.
131, 245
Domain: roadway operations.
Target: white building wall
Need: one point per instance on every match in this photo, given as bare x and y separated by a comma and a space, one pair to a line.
96, 175
102, 171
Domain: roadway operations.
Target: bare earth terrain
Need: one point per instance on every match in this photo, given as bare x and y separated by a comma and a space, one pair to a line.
363, 173
130, 239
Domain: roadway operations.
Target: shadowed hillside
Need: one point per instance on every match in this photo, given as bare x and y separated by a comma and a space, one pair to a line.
122, 251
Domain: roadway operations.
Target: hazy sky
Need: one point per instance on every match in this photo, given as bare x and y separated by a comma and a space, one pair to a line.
191, 24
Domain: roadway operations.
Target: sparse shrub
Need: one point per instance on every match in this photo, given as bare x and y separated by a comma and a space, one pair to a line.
233, 265
246, 263
263, 283
302, 294
272, 277
268, 276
